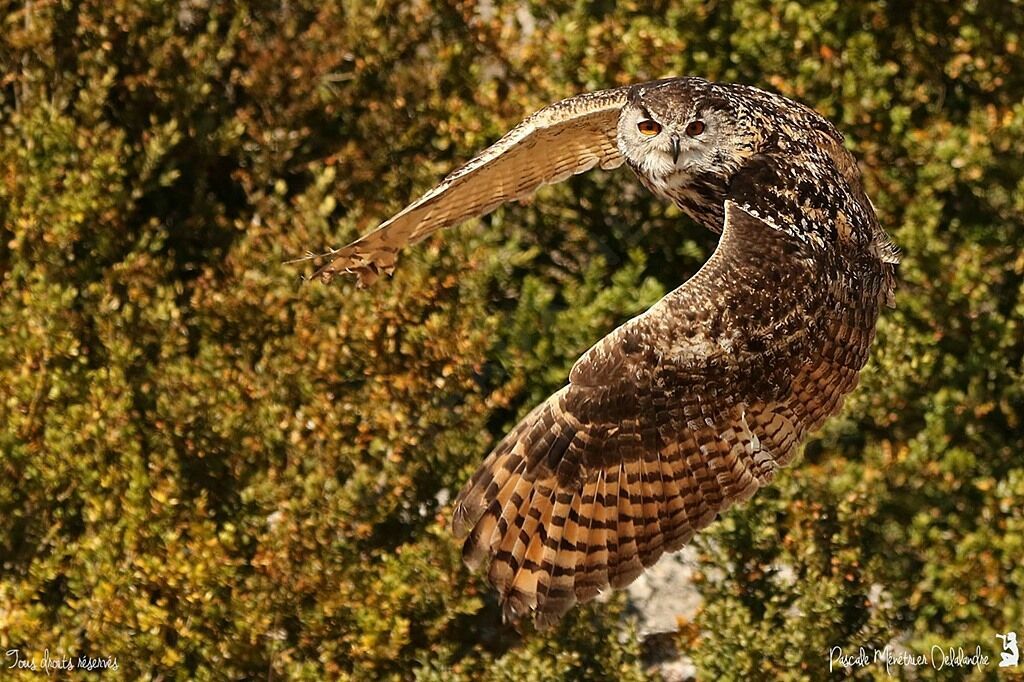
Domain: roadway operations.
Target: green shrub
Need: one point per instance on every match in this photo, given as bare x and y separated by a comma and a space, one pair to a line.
210, 470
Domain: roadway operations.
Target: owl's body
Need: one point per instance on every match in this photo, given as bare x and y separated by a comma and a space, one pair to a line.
696, 403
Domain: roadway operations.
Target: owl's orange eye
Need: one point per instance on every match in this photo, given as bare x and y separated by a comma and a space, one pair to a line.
695, 128
648, 127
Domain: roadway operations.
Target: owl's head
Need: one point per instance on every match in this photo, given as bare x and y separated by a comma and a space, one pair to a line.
684, 127
687, 137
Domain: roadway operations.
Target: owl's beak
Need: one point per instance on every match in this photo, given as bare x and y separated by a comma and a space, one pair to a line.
675, 148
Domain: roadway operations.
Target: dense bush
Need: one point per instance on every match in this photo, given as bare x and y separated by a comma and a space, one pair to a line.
209, 470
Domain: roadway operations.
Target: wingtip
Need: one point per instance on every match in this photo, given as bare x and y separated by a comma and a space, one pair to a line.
366, 273
516, 606
521, 610
545, 620
462, 520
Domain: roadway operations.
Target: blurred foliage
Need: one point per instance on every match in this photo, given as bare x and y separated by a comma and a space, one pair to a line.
211, 471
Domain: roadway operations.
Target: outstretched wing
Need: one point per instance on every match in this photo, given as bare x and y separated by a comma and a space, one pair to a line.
669, 420
565, 138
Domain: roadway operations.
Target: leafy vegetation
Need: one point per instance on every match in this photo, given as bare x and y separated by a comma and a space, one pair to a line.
210, 471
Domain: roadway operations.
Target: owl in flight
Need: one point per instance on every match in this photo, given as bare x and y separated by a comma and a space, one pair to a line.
696, 403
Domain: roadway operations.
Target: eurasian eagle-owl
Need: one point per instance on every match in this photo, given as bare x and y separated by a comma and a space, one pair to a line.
694, 404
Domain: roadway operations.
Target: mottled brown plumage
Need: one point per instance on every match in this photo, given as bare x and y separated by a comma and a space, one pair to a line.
568, 137
695, 404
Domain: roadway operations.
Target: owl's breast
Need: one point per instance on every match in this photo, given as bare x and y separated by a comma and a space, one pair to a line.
701, 197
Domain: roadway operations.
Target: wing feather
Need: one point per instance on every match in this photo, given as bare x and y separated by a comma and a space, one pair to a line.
626, 565
569, 137
594, 575
672, 418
